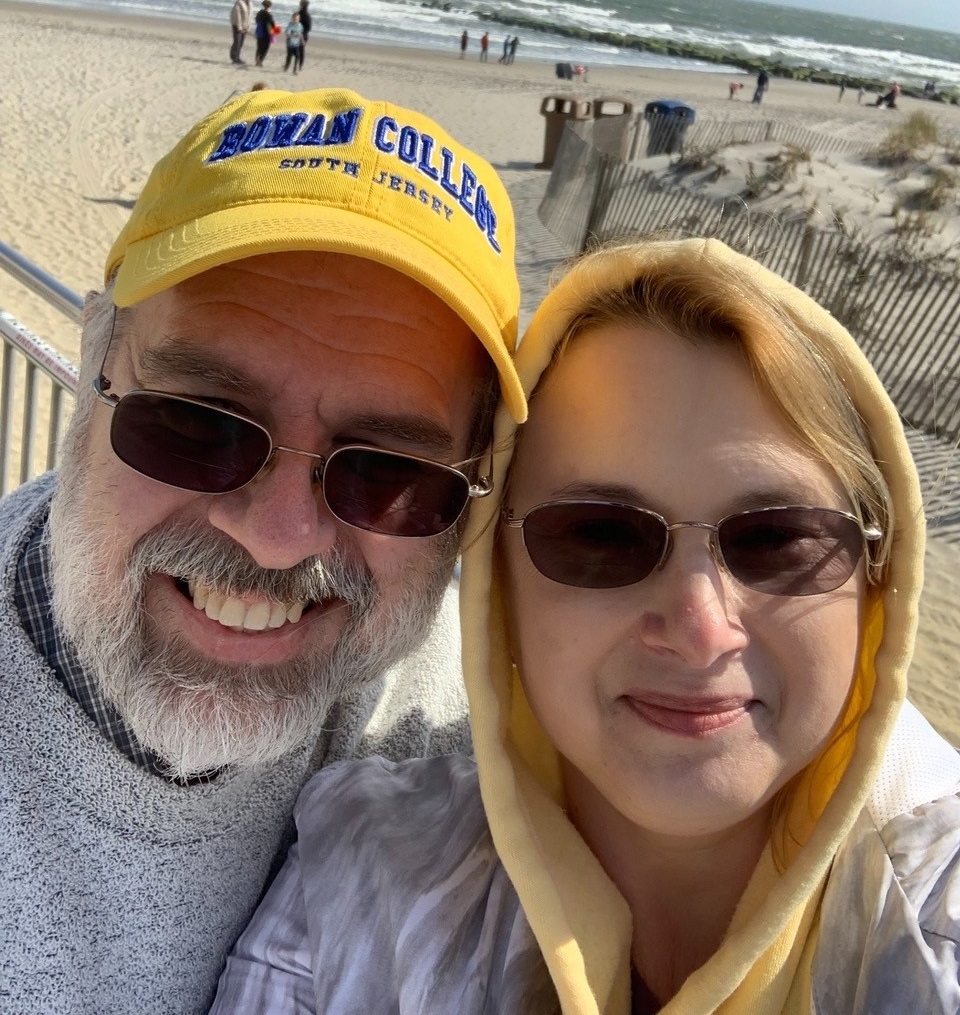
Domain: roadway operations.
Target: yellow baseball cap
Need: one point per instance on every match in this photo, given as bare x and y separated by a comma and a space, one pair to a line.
271, 171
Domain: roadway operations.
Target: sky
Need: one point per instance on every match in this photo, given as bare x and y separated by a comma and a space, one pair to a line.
942, 14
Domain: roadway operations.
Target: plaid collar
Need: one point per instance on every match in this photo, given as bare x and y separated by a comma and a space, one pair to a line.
33, 598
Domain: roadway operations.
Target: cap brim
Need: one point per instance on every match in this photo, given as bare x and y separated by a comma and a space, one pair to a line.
152, 265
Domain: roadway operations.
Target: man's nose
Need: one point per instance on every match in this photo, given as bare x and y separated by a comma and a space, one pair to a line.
687, 606
280, 517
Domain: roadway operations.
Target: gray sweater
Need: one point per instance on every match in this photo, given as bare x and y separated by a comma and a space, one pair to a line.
121, 892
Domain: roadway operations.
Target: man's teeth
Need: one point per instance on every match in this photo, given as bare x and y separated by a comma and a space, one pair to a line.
239, 615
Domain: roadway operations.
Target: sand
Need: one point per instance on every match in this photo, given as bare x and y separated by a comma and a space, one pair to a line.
90, 102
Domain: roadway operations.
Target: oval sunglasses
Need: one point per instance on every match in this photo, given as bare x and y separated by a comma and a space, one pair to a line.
193, 445
782, 551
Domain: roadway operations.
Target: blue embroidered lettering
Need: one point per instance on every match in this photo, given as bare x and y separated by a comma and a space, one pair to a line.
410, 188
408, 144
436, 204
229, 143
395, 182
343, 129
426, 150
315, 132
448, 211
333, 163
381, 178
315, 163
424, 196
380, 129
468, 182
257, 134
352, 168
284, 129
448, 159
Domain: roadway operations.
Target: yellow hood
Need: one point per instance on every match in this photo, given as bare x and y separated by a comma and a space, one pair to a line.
580, 920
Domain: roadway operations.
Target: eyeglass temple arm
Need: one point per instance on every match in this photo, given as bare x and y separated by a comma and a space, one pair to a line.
100, 386
482, 488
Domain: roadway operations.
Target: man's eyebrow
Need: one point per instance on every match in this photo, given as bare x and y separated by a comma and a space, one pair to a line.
179, 358
411, 428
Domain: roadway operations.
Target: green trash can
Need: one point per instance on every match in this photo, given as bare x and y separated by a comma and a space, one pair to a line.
558, 111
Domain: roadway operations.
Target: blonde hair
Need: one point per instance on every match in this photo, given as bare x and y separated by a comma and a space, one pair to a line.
801, 372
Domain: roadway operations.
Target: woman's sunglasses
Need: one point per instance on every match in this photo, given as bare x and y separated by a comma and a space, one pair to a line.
782, 551
192, 445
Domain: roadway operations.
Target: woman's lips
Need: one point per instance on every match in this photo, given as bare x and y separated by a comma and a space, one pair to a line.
689, 717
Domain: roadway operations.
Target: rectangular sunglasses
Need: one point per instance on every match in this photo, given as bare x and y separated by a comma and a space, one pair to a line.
782, 551
192, 445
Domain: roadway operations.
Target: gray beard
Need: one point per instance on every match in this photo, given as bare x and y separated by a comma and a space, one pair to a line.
195, 713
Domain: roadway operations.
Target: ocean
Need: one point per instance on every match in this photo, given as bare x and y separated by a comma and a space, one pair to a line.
832, 42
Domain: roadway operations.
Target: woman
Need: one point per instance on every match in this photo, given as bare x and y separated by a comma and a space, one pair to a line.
685, 648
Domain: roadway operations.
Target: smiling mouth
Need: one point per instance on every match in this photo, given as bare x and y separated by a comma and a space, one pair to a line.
694, 718
248, 614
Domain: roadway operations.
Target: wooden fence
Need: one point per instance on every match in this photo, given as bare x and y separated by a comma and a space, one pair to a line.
905, 316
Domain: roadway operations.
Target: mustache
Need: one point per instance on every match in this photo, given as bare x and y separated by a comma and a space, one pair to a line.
196, 552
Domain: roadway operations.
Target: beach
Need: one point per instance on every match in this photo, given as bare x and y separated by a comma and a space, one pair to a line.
91, 102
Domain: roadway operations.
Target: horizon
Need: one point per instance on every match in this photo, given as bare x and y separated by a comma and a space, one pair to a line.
934, 15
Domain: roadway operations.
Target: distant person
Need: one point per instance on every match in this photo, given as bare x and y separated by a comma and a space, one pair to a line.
763, 83
506, 50
843, 88
464, 42
307, 23
861, 91
264, 25
735, 87
294, 36
484, 46
240, 24
890, 98
514, 42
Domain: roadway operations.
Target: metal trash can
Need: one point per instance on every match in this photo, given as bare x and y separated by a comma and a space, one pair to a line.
612, 136
558, 111
667, 122
564, 71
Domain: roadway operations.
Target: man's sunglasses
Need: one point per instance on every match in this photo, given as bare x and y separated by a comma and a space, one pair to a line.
193, 445
782, 551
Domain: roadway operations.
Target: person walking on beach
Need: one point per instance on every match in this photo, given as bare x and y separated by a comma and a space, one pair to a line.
294, 36
763, 82
484, 46
506, 50
307, 21
240, 24
843, 88
264, 30
514, 42
464, 42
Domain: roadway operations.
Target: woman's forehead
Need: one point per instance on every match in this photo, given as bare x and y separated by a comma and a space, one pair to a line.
635, 400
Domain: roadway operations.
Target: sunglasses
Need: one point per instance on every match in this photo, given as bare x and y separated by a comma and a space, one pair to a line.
782, 551
193, 445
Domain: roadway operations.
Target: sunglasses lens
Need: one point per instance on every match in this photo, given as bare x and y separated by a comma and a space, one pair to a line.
187, 444
791, 552
593, 545
393, 494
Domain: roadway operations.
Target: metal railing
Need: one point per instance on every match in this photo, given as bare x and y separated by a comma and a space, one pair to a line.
36, 382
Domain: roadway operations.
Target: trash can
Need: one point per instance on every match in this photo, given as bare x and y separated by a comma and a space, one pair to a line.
559, 110
613, 134
667, 123
564, 71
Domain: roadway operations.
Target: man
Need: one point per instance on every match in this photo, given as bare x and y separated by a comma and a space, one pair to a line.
240, 23
285, 399
307, 21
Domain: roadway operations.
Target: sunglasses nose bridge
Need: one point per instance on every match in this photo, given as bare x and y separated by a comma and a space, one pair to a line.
316, 473
714, 542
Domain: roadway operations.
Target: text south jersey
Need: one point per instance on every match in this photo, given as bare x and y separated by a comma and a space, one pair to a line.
416, 150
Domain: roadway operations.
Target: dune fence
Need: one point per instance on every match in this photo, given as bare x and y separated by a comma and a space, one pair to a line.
905, 315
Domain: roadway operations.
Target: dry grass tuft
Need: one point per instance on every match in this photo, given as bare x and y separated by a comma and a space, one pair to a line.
903, 143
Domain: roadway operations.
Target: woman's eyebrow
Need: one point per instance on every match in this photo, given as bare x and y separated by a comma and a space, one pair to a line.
179, 358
